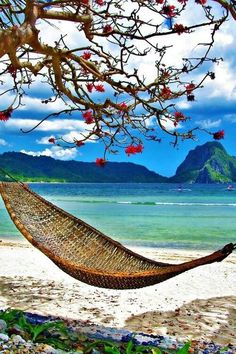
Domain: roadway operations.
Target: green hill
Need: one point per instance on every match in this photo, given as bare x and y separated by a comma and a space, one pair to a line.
29, 168
208, 163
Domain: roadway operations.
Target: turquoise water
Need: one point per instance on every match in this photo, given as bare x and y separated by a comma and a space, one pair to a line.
156, 215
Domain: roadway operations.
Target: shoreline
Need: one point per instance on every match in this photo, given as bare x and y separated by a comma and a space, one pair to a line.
199, 304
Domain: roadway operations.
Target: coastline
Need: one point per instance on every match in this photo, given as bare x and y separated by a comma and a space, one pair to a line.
199, 304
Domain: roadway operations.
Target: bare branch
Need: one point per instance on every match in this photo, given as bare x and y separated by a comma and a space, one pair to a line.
101, 79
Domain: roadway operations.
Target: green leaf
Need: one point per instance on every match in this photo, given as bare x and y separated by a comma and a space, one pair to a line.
129, 347
10, 316
57, 343
184, 349
146, 349
25, 324
96, 344
38, 329
111, 349
156, 351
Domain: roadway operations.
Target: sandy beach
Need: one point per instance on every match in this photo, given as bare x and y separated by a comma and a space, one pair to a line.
199, 304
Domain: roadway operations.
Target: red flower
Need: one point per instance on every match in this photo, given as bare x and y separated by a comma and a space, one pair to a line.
122, 107
190, 88
132, 149
100, 162
179, 116
5, 115
88, 117
201, 2
219, 135
169, 10
85, 2
79, 143
86, 55
107, 28
90, 87
178, 28
165, 74
12, 70
166, 93
100, 2
52, 140
160, 1
99, 88
139, 148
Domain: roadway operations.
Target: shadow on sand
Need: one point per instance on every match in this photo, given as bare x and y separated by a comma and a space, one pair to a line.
212, 319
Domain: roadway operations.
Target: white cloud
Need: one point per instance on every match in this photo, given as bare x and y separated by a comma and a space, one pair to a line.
56, 152
224, 39
208, 123
224, 85
44, 140
183, 104
169, 125
35, 104
3, 142
186, 45
32, 103
56, 125
230, 118
72, 36
76, 135
70, 138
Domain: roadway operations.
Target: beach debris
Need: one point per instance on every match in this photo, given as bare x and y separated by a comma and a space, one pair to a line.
3, 326
3, 337
59, 336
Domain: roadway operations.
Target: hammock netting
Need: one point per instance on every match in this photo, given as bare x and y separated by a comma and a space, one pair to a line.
84, 252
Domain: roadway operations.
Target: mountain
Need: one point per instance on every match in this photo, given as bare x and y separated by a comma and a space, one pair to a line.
30, 168
208, 163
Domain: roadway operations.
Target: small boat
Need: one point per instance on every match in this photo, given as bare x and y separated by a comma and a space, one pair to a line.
230, 188
181, 189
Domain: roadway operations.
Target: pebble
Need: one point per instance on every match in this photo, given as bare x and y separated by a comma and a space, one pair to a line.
17, 345
17, 340
47, 349
3, 337
10, 347
3, 326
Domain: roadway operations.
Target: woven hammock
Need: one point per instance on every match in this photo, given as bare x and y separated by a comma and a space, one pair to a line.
84, 252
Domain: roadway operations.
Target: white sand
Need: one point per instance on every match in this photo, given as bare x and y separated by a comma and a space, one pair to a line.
198, 304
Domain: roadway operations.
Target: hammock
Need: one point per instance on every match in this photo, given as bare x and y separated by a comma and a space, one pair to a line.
84, 252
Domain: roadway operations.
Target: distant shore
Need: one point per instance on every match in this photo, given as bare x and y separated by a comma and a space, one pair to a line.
179, 185
198, 166
199, 304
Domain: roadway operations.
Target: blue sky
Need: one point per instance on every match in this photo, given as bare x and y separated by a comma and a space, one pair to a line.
214, 109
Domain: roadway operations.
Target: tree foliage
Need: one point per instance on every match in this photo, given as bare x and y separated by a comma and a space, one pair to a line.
102, 77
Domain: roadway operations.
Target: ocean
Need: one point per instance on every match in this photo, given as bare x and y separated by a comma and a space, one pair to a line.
193, 216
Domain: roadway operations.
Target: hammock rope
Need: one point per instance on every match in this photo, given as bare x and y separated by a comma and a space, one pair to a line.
84, 252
